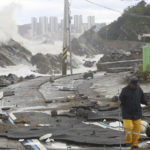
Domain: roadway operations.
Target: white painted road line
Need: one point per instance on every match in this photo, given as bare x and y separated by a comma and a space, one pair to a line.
39, 145
13, 117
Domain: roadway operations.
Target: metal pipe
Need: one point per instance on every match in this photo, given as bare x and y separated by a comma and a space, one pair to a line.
120, 123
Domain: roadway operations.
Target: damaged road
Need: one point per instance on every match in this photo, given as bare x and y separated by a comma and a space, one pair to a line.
73, 123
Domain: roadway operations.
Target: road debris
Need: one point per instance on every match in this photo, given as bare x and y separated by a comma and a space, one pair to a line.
70, 119
22, 121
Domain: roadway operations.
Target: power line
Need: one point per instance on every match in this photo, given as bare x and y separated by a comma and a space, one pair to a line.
111, 9
103, 6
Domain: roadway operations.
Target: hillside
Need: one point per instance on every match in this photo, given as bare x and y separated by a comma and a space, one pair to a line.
134, 21
90, 43
86, 43
119, 35
12, 53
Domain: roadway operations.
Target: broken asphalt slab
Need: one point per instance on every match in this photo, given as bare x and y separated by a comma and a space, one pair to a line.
101, 115
70, 130
100, 148
9, 93
65, 129
79, 134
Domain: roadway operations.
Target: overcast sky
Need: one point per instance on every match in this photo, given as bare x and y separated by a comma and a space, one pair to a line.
37, 8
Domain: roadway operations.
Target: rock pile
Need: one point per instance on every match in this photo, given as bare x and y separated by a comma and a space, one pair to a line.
116, 55
119, 61
6, 80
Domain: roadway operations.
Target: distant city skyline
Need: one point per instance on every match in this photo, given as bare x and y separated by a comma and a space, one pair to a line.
48, 25
84, 19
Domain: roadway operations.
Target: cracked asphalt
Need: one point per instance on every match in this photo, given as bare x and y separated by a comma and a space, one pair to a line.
30, 95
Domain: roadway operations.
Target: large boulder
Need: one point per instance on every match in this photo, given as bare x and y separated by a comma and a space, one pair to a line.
89, 64
47, 63
88, 75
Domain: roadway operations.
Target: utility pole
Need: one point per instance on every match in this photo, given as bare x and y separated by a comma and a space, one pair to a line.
66, 36
70, 47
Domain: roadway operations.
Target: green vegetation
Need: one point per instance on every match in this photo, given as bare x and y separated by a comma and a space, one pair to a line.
143, 76
134, 21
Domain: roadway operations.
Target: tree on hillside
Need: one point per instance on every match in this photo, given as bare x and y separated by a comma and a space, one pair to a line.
134, 21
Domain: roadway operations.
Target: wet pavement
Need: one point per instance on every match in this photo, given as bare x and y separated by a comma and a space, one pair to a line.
52, 91
35, 99
6, 144
26, 94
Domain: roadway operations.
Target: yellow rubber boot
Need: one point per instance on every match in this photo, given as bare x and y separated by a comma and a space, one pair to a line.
128, 128
136, 132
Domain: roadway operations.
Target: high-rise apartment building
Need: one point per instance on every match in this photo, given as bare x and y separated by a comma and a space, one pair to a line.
41, 26
53, 24
91, 21
78, 22
34, 26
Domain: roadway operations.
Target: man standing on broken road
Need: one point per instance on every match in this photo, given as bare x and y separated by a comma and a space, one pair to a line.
130, 100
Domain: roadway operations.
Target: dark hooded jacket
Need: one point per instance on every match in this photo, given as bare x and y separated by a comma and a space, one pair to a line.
131, 100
